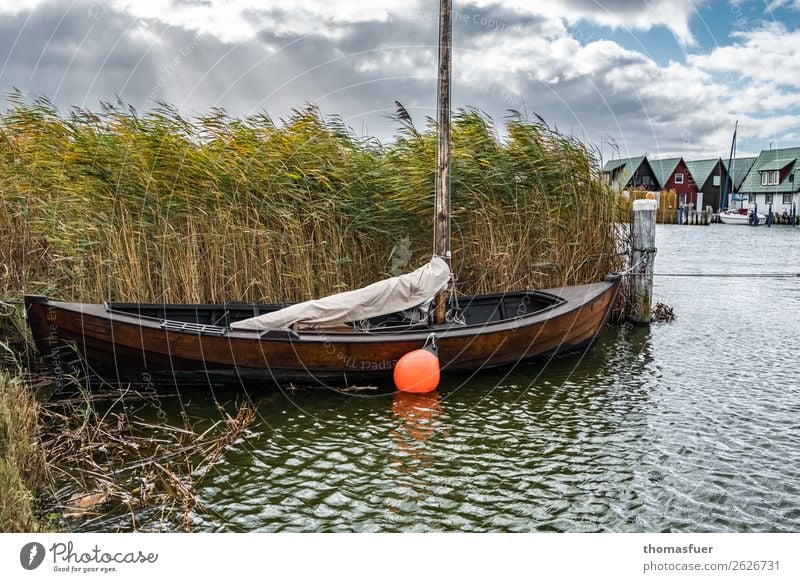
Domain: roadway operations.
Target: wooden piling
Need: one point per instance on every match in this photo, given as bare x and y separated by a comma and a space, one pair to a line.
644, 248
441, 237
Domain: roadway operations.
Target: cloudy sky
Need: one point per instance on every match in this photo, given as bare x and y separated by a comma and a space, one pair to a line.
657, 76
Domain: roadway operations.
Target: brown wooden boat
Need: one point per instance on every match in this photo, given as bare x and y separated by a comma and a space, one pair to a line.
194, 344
165, 344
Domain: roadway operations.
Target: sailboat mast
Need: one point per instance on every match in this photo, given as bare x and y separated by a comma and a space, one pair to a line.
441, 234
728, 171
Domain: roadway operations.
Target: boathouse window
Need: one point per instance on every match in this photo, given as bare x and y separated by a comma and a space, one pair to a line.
768, 198
716, 181
751, 197
787, 198
769, 178
679, 178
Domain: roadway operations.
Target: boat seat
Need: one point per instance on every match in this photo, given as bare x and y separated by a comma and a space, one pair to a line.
195, 328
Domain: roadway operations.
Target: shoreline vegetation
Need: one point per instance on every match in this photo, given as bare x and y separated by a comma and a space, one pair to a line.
118, 205
22, 465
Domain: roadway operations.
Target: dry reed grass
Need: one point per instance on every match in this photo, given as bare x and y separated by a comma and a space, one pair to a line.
22, 462
156, 207
667, 210
109, 465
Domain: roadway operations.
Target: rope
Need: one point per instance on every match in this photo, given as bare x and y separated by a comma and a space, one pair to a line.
736, 275
643, 259
8, 307
430, 341
553, 265
454, 314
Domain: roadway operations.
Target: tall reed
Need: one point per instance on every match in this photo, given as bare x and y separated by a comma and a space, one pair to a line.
120, 205
666, 211
22, 463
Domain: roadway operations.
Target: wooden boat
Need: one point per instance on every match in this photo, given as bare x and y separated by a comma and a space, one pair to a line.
194, 344
156, 344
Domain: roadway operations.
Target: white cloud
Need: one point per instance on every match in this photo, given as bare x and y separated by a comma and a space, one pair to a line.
634, 14
791, 4
17, 6
240, 20
360, 56
770, 54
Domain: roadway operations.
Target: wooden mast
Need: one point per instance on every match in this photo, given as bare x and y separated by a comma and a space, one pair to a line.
441, 235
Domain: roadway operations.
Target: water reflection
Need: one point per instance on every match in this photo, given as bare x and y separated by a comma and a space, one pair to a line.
417, 420
659, 429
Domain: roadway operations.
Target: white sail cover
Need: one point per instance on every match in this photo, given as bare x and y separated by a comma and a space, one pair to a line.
381, 298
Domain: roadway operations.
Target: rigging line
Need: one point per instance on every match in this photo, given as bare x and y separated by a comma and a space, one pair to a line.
549, 265
733, 275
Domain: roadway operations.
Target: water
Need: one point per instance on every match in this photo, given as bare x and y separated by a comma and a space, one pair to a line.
688, 426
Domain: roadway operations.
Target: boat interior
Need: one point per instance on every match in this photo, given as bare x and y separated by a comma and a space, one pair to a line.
475, 310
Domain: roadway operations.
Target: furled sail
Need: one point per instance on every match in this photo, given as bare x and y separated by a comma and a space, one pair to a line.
381, 298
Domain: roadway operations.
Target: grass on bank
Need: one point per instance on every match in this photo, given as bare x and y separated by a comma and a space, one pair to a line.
22, 464
93, 458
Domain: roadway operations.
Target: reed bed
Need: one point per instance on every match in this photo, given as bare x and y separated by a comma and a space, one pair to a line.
667, 210
22, 461
126, 206
111, 466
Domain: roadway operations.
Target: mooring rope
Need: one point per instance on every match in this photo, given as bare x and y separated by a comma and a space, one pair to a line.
643, 259
8, 307
549, 265
734, 275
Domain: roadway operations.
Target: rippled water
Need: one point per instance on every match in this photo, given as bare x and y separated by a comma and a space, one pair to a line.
687, 426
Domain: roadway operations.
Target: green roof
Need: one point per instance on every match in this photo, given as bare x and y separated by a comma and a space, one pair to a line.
774, 160
701, 170
612, 165
663, 169
776, 164
623, 169
741, 166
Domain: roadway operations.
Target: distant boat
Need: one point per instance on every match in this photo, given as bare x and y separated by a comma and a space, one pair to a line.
739, 216
352, 336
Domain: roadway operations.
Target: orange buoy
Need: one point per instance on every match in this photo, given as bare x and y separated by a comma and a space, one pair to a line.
417, 371
650, 196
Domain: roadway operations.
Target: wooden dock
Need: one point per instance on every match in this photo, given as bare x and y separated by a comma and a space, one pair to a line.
695, 217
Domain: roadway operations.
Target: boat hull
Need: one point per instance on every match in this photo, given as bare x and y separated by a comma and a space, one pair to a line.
96, 342
735, 218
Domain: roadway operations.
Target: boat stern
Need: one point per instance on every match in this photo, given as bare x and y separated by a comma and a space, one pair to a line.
39, 317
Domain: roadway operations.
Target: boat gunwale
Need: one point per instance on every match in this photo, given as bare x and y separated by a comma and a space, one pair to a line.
450, 330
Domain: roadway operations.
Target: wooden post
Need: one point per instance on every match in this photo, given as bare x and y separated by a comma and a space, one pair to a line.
644, 247
441, 237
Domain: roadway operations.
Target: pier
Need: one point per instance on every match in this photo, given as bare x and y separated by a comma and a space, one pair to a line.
689, 216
